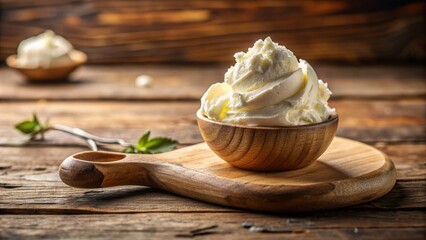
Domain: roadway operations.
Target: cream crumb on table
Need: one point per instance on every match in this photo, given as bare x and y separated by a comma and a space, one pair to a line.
143, 81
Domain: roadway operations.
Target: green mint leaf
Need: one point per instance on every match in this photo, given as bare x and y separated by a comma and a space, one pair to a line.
151, 146
32, 127
35, 119
129, 149
160, 145
133, 149
27, 127
143, 140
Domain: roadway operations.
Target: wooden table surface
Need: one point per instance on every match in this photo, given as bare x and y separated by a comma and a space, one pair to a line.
381, 105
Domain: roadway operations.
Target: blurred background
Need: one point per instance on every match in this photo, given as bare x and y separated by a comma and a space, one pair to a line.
206, 31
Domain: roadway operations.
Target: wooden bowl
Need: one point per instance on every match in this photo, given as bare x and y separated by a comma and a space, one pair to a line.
268, 148
51, 74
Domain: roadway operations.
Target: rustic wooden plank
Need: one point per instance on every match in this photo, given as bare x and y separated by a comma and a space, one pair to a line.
30, 160
381, 120
355, 233
211, 31
45, 193
127, 120
401, 197
340, 225
409, 159
190, 82
364, 120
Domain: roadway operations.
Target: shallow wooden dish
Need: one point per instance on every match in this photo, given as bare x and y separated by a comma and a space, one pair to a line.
52, 74
268, 148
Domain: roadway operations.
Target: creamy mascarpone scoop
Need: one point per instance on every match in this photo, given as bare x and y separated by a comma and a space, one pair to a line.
268, 87
44, 50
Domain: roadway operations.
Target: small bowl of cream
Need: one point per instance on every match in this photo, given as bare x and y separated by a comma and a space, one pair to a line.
270, 113
46, 57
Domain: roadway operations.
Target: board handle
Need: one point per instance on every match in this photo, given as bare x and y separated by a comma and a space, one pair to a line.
95, 169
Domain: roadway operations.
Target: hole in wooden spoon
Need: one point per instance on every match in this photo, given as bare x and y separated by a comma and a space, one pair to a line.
99, 156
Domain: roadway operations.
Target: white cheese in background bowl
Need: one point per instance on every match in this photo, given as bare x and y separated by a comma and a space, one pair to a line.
46, 57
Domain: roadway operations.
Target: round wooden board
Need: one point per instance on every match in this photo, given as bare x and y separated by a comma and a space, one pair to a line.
348, 173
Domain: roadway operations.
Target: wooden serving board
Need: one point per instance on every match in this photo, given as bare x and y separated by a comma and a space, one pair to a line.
348, 173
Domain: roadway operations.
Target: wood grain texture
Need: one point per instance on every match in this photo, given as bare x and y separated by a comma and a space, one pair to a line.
187, 82
212, 31
406, 157
38, 193
33, 159
348, 173
165, 226
364, 120
268, 148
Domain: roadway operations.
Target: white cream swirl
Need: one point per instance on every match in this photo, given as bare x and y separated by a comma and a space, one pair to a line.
268, 87
44, 50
